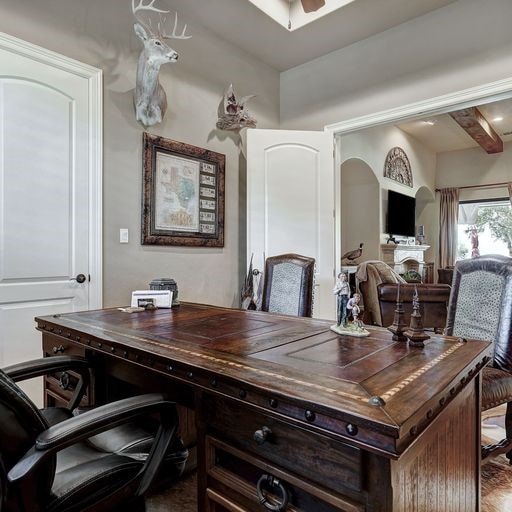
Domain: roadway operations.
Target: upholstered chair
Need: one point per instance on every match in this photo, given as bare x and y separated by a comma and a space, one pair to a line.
55, 468
369, 275
481, 308
288, 285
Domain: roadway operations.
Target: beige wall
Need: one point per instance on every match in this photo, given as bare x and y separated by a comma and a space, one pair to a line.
465, 44
371, 146
100, 33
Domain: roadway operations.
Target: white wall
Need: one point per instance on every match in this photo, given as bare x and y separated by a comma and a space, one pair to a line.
465, 44
372, 146
100, 33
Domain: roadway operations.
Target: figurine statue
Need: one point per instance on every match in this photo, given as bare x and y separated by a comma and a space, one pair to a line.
342, 291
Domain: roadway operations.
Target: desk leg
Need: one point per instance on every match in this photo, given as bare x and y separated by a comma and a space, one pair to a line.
202, 500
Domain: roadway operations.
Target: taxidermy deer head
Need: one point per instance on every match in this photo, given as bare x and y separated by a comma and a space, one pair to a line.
150, 99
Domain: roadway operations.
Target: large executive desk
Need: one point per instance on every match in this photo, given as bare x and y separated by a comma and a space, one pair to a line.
352, 424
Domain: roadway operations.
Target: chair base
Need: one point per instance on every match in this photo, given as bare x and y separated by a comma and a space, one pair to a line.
494, 449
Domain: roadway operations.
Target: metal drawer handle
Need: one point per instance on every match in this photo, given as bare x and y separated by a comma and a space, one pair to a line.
58, 349
269, 483
262, 435
64, 380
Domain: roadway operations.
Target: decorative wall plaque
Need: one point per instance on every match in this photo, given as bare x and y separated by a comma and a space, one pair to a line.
397, 167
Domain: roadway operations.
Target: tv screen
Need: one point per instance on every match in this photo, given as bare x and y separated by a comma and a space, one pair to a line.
401, 214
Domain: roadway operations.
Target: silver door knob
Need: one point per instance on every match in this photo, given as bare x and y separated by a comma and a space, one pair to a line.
80, 278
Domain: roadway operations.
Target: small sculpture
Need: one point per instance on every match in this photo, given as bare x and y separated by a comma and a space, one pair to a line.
416, 333
235, 114
353, 255
355, 328
342, 292
398, 326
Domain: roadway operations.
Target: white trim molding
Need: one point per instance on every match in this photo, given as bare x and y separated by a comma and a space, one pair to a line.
95, 113
493, 91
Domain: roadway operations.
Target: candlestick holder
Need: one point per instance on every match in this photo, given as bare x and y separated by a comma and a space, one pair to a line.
398, 326
416, 334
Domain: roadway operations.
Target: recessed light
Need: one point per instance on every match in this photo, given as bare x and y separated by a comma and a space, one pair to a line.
497, 119
430, 122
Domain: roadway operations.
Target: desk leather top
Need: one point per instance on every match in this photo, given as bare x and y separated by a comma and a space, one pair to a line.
298, 360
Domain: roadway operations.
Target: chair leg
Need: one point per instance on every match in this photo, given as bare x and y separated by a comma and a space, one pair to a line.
508, 428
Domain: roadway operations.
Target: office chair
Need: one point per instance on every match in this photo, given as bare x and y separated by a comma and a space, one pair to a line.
288, 285
481, 308
54, 468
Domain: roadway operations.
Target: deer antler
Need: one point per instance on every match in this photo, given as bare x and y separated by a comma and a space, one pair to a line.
174, 35
146, 7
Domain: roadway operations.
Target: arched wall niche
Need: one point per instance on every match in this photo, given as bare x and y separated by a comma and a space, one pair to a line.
360, 208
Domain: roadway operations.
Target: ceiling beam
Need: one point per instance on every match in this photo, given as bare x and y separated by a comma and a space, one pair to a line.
478, 128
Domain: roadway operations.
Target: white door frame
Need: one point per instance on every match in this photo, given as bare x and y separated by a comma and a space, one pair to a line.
95, 171
493, 91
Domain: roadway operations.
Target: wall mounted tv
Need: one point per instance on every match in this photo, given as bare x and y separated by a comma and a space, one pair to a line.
401, 216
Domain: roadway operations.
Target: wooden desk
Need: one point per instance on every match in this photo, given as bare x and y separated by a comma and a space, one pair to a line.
353, 424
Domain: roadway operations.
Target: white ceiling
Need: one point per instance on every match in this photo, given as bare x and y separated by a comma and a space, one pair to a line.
246, 26
446, 135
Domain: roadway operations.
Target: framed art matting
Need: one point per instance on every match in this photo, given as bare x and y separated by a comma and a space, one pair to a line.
183, 194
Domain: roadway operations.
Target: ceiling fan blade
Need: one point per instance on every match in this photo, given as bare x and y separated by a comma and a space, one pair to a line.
312, 5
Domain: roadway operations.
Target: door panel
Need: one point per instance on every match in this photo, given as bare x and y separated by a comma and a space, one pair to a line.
44, 197
290, 203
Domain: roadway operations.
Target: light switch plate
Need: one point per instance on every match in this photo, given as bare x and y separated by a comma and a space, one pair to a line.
123, 236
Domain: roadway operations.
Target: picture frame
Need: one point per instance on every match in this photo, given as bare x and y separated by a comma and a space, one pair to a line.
182, 194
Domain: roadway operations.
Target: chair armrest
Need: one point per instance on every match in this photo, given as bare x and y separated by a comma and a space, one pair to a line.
101, 419
46, 365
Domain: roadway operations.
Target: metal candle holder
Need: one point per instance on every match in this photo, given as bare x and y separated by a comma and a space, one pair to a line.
416, 334
398, 326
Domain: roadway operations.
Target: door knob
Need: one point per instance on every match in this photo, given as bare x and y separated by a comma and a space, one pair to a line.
80, 278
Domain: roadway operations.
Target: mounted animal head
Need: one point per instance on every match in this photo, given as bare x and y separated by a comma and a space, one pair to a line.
150, 99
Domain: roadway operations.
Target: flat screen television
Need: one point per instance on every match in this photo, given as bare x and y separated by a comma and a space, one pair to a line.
401, 218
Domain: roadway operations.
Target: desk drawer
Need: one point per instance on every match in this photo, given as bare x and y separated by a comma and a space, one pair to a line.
54, 346
308, 454
233, 478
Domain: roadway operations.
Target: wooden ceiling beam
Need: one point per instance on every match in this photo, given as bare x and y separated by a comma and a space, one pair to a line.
478, 128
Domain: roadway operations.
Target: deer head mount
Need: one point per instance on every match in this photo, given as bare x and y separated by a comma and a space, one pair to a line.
150, 99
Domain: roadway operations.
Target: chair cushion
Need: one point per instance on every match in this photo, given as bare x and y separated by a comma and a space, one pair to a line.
496, 388
88, 478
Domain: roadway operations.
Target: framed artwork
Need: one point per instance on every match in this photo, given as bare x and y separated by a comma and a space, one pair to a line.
182, 195
397, 167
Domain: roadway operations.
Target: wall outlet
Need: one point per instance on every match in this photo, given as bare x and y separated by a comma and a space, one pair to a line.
123, 236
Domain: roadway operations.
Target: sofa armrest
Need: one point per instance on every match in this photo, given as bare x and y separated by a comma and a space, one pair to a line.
426, 292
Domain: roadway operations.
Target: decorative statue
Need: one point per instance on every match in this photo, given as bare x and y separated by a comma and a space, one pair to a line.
350, 256
353, 307
235, 115
342, 291
150, 99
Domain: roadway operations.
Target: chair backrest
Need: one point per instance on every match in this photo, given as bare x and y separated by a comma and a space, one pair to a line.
481, 304
20, 424
288, 285
369, 275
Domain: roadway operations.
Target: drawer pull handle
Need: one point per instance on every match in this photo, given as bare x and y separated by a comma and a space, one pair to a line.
58, 349
270, 483
262, 435
64, 381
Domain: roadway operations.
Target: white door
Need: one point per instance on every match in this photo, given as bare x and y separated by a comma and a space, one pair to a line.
290, 203
44, 200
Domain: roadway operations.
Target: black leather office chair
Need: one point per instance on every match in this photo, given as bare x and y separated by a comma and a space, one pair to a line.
56, 468
480, 307
288, 285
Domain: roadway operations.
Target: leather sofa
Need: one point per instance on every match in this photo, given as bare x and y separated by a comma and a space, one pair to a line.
433, 299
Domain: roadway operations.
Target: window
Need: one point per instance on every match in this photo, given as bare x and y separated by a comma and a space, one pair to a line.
485, 227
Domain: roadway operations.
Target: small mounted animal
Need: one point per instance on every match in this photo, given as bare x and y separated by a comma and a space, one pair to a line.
353, 255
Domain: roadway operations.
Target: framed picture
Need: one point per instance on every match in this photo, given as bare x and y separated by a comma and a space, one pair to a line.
182, 195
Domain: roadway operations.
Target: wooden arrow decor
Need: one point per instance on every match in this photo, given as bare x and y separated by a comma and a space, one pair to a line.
478, 128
